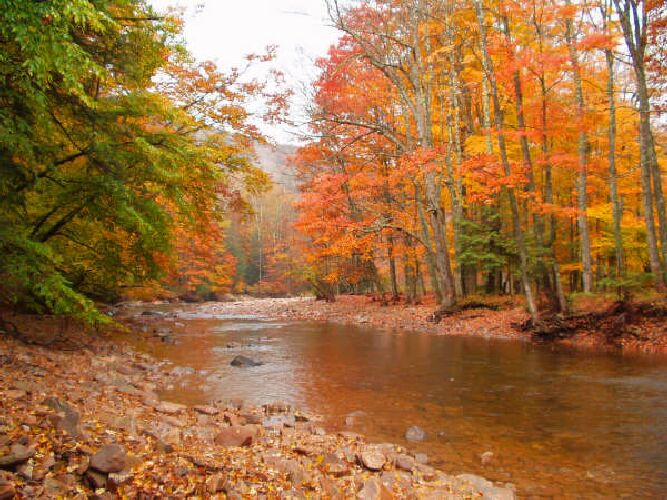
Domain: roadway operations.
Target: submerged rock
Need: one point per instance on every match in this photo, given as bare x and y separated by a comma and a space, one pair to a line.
415, 433
244, 361
169, 408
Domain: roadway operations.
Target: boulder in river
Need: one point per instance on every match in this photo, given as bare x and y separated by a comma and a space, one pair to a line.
415, 433
244, 361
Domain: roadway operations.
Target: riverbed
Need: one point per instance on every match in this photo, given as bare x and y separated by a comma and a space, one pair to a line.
552, 421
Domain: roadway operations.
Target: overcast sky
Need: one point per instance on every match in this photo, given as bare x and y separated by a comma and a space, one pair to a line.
225, 31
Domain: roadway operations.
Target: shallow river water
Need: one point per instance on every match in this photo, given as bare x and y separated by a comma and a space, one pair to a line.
558, 422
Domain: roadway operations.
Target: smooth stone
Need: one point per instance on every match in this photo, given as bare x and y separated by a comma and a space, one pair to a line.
169, 408
372, 460
415, 433
405, 462
17, 455
111, 458
241, 435
244, 362
374, 489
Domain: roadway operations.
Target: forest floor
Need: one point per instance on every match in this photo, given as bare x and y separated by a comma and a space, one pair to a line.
597, 321
81, 417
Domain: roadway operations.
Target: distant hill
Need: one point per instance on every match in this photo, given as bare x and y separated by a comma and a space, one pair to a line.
273, 160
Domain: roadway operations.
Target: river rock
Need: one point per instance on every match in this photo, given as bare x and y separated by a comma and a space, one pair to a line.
354, 418
373, 489
415, 433
153, 313
486, 457
278, 421
17, 455
179, 371
277, 408
372, 460
335, 466
66, 419
95, 479
215, 483
54, 488
405, 462
426, 472
7, 490
486, 488
169, 408
241, 435
352, 436
244, 362
111, 458
206, 410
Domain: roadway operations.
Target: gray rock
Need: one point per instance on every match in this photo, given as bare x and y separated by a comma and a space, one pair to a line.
17, 455
488, 490
241, 435
111, 458
169, 408
415, 433
244, 362
279, 421
277, 408
374, 489
179, 371
67, 419
95, 479
486, 457
372, 460
405, 462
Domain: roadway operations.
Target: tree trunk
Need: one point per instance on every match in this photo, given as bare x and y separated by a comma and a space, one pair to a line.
582, 149
392, 267
429, 254
499, 125
617, 212
634, 33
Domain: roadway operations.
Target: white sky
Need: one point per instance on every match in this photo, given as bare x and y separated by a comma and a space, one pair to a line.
225, 31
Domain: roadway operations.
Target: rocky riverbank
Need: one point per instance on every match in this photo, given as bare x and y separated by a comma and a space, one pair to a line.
81, 417
359, 309
601, 325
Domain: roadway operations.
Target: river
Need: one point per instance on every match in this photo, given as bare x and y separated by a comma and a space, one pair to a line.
557, 421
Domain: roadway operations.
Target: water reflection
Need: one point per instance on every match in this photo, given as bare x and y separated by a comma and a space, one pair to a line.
573, 423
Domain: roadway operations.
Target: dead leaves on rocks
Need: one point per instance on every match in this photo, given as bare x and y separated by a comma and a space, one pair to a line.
70, 427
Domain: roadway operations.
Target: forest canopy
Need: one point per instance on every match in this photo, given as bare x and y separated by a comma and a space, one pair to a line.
493, 146
116, 154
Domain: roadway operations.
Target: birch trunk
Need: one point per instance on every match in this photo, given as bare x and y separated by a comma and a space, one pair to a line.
617, 211
582, 149
632, 16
